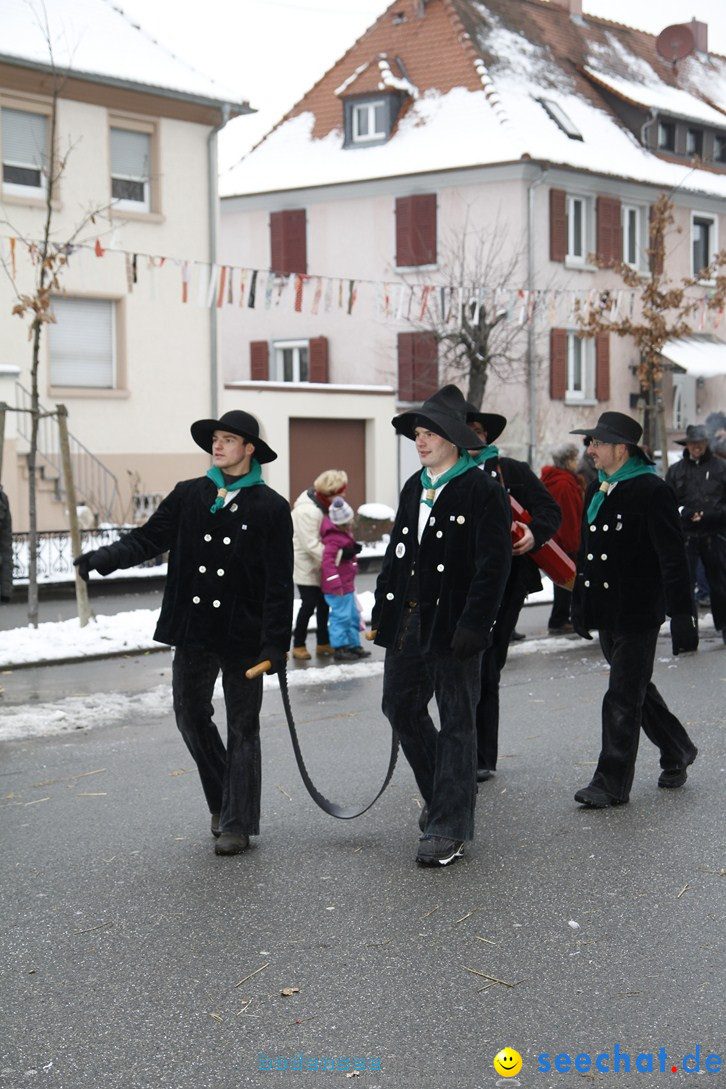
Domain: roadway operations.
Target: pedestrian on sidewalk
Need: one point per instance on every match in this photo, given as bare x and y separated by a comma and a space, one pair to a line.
515, 478
436, 601
6, 549
631, 571
227, 605
562, 481
307, 518
339, 569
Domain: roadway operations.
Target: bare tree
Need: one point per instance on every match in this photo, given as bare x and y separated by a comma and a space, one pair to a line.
665, 312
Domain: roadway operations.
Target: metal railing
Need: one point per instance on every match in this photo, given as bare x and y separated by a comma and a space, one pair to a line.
55, 556
95, 484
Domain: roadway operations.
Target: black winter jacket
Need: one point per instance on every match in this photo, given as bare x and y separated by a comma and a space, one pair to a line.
631, 568
229, 584
700, 486
458, 571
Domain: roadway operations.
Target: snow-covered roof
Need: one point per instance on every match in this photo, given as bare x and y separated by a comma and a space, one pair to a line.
481, 70
701, 356
96, 40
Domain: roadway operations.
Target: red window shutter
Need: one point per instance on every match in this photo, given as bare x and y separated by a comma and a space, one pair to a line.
288, 241
609, 230
602, 367
424, 229
558, 225
558, 364
405, 365
259, 361
425, 366
404, 232
656, 246
319, 359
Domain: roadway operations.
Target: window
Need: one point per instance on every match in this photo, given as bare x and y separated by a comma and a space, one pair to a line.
560, 118
288, 241
634, 242
684, 401
369, 121
579, 367
131, 170
25, 152
82, 343
666, 136
704, 242
576, 228
418, 366
694, 142
719, 149
416, 230
290, 361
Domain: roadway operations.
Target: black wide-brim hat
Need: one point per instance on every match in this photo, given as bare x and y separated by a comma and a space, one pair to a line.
694, 433
491, 422
238, 423
616, 427
445, 414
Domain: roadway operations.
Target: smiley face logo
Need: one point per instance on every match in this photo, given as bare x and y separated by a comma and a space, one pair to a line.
508, 1062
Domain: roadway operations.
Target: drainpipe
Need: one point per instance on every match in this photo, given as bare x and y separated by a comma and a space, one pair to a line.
531, 345
212, 215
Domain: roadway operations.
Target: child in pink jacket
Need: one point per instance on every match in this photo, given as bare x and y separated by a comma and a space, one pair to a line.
338, 581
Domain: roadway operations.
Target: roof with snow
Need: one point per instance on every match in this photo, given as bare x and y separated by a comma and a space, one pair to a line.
96, 40
472, 76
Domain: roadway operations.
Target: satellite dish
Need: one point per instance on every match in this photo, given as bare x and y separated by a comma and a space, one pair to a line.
675, 42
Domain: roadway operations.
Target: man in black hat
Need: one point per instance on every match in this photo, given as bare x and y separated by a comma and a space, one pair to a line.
631, 572
518, 480
698, 481
437, 598
227, 605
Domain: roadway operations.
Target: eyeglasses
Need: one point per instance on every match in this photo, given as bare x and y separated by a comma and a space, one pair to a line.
596, 443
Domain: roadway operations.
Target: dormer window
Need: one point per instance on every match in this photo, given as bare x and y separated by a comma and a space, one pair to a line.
560, 118
719, 149
694, 142
666, 136
369, 121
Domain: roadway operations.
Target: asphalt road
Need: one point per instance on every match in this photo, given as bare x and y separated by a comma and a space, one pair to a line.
134, 958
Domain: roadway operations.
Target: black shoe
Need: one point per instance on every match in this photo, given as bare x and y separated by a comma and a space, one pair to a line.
215, 825
438, 850
482, 774
595, 798
423, 818
344, 654
360, 652
677, 777
517, 637
562, 629
231, 843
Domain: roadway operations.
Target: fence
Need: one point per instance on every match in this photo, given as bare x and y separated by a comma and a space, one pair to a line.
54, 553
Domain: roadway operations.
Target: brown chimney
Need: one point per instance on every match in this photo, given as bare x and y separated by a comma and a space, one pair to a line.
700, 34
573, 6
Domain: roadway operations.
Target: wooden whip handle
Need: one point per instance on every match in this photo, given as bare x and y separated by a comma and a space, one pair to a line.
256, 670
370, 635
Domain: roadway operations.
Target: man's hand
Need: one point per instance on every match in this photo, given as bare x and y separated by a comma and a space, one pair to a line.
98, 560
525, 543
684, 633
277, 660
466, 643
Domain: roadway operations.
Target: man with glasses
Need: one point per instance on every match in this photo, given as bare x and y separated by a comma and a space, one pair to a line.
631, 572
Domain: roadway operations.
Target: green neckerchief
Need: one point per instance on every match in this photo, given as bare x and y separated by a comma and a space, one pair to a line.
483, 455
633, 467
254, 476
465, 462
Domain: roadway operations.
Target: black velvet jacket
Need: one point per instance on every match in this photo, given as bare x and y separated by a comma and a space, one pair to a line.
229, 584
700, 486
458, 571
631, 568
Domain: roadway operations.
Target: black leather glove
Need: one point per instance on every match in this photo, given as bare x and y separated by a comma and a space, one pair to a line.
99, 560
466, 643
351, 550
277, 660
684, 633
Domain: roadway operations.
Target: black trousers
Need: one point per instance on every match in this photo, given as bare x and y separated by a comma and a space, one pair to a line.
312, 600
710, 548
232, 776
492, 664
443, 761
632, 701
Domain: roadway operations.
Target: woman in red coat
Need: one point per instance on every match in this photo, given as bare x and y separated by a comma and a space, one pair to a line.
564, 485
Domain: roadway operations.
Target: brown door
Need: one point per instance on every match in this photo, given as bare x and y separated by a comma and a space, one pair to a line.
316, 445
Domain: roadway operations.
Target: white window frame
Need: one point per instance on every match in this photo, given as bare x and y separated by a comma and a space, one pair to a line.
670, 128
577, 201
104, 377
146, 205
278, 361
18, 189
712, 239
373, 134
684, 400
580, 350
633, 218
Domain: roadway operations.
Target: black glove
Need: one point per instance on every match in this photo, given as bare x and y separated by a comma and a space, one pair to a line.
351, 550
684, 633
466, 643
276, 658
99, 560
